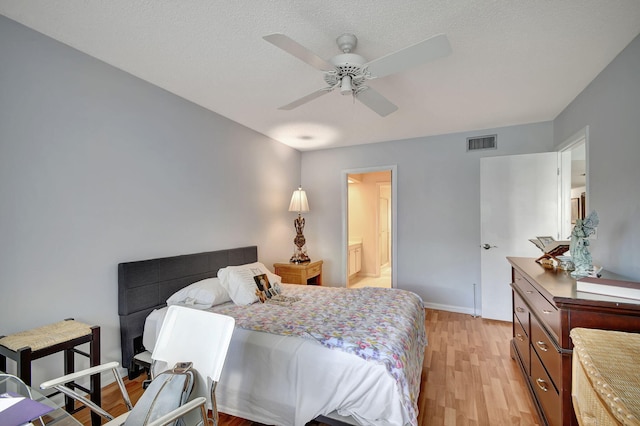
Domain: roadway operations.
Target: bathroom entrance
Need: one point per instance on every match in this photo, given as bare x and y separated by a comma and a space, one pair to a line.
369, 220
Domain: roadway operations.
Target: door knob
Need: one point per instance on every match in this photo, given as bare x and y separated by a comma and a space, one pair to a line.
487, 246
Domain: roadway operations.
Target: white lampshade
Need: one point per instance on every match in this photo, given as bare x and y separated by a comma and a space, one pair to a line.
299, 201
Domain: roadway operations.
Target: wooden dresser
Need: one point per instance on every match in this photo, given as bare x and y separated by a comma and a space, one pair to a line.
546, 307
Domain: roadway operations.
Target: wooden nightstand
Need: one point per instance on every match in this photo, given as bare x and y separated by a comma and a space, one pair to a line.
300, 273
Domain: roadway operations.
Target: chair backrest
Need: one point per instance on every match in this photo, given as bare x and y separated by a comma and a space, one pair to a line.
200, 337
11, 383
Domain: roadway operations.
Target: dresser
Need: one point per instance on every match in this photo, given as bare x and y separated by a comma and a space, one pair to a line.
300, 273
546, 306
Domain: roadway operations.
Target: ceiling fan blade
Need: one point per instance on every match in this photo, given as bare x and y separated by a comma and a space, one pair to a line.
305, 99
375, 101
432, 48
299, 51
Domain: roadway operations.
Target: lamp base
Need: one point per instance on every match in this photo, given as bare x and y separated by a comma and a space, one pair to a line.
299, 256
300, 252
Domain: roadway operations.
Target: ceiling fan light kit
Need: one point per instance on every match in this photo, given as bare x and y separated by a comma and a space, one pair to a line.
345, 86
349, 71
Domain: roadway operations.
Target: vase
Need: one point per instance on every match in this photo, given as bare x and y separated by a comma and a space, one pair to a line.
580, 256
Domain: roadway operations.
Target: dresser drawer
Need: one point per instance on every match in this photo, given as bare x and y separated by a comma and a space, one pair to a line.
290, 277
545, 310
522, 344
545, 391
314, 270
521, 311
549, 354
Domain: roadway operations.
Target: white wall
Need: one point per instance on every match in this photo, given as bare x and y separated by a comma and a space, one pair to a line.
98, 167
357, 212
610, 106
438, 207
577, 192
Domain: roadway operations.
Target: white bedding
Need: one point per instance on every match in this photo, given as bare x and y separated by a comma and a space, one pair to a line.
288, 380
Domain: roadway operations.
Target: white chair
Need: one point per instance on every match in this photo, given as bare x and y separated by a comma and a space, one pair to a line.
14, 384
186, 335
200, 337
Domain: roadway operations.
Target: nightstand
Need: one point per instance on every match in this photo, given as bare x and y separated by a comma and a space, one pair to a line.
300, 273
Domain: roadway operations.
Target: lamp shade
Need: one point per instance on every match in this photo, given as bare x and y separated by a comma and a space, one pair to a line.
299, 201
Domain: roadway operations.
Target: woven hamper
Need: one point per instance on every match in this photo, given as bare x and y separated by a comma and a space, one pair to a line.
605, 385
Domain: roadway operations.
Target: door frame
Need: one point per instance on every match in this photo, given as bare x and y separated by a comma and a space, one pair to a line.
380, 187
344, 188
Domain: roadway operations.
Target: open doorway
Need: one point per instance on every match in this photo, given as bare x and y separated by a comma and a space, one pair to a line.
369, 219
574, 182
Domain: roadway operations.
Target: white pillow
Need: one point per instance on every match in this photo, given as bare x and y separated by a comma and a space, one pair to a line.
201, 294
239, 282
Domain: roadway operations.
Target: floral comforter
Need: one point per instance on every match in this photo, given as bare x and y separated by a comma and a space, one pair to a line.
379, 325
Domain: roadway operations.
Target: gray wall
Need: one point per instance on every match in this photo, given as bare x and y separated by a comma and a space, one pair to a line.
98, 167
610, 106
438, 207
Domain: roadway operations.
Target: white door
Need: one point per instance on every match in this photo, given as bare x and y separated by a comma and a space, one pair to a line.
518, 201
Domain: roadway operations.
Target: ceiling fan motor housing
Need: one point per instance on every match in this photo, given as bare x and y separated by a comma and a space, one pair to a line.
347, 42
347, 65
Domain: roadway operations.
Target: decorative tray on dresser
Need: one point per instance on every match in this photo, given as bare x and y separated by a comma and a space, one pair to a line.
546, 306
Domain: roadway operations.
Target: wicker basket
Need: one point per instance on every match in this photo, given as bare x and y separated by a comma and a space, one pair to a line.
606, 377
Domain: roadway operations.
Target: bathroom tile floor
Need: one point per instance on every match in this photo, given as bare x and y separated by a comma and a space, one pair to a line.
384, 280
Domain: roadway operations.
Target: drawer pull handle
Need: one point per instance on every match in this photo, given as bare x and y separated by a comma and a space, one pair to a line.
546, 311
519, 309
542, 345
520, 337
542, 384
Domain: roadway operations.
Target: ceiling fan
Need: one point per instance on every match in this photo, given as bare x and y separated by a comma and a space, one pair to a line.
350, 71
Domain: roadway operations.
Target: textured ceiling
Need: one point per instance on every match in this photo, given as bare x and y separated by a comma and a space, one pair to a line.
513, 62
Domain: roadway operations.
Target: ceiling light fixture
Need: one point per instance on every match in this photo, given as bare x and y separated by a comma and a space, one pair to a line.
345, 86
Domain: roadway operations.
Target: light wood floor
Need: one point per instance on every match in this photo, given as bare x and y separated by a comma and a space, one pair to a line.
468, 377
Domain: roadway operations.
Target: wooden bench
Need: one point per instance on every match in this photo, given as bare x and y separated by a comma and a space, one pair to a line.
29, 345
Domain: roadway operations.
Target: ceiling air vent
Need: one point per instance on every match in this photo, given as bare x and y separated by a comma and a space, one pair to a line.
482, 142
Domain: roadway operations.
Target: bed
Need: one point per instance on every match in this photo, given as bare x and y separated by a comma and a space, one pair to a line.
284, 365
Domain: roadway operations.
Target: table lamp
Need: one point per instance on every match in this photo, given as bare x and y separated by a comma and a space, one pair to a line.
299, 204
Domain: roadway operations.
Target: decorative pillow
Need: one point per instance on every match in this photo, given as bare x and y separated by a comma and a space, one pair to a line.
201, 294
240, 283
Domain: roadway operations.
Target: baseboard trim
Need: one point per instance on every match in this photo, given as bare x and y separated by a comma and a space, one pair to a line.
450, 308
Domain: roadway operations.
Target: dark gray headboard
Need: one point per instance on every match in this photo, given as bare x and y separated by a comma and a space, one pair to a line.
145, 285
